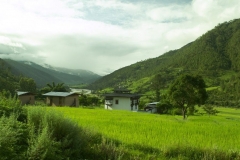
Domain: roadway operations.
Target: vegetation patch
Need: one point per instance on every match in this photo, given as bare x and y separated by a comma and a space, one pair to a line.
165, 136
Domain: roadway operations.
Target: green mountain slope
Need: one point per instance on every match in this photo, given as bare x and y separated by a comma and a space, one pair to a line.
213, 55
43, 75
8, 81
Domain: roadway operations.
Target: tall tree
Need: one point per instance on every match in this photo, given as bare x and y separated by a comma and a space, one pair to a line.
156, 85
27, 84
187, 91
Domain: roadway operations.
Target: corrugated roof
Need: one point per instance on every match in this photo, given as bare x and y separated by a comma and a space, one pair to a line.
153, 103
59, 94
121, 95
20, 93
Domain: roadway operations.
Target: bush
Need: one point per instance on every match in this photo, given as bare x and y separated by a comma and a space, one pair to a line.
209, 109
176, 111
9, 105
13, 138
164, 107
52, 135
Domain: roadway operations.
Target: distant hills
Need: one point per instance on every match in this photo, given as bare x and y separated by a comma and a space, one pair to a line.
48, 74
215, 55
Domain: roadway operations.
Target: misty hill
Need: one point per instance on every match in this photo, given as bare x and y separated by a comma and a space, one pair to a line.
213, 55
88, 75
8, 81
43, 75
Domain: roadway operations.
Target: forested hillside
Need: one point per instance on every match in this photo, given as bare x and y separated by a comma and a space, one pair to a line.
214, 53
215, 56
8, 82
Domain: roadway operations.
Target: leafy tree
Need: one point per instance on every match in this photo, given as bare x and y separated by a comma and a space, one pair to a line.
209, 109
27, 84
56, 87
187, 91
156, 85
164, 107
85, 100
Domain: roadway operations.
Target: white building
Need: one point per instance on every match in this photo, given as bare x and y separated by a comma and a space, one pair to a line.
122, 99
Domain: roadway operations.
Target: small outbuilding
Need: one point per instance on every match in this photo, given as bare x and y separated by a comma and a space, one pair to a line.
151, 107
62, 99
26, 98
121, 99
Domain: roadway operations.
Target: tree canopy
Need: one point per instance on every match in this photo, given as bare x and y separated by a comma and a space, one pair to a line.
27, 84
187, 91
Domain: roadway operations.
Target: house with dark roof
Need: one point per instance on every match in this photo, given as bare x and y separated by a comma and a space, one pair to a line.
121, 99
26, 98
62, 99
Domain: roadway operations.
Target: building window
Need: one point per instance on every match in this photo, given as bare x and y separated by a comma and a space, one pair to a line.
116, 101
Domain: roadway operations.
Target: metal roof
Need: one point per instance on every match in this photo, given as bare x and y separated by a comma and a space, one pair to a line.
59, 94
20, 93
153, 103
121, 95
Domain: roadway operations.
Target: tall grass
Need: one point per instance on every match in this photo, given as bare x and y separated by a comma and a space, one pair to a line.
169, 136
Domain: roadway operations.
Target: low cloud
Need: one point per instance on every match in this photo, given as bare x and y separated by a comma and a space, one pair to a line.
103, 36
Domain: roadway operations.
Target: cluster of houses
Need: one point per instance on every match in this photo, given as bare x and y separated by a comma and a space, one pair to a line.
120, 99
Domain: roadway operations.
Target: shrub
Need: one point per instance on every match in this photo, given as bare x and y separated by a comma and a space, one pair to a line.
176, 111
53, 135
164, 107
52, 129
9, 105
13, 138
209, 109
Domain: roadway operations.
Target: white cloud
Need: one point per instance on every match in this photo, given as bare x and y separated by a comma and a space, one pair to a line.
174, 13
9, 42
103, 35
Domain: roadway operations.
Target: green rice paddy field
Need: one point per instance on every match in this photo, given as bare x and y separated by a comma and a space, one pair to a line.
156, 135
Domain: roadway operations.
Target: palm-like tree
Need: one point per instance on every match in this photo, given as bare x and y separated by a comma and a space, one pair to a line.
59, 87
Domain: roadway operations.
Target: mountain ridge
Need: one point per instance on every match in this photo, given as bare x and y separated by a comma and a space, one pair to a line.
215, 52
43, 75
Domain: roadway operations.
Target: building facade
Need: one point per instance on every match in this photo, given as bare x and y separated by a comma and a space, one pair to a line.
62, 99
121, 99
26, 98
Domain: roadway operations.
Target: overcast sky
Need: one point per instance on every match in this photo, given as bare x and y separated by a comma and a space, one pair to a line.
104, 35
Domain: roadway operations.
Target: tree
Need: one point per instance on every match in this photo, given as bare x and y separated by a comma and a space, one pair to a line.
57, 87
27, 84
209, 109
187, 91
156, 85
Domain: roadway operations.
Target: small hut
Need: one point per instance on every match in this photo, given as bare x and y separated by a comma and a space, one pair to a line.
62, 99
26, 98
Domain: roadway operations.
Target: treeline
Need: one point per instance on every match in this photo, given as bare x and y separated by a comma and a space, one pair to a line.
227, 94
